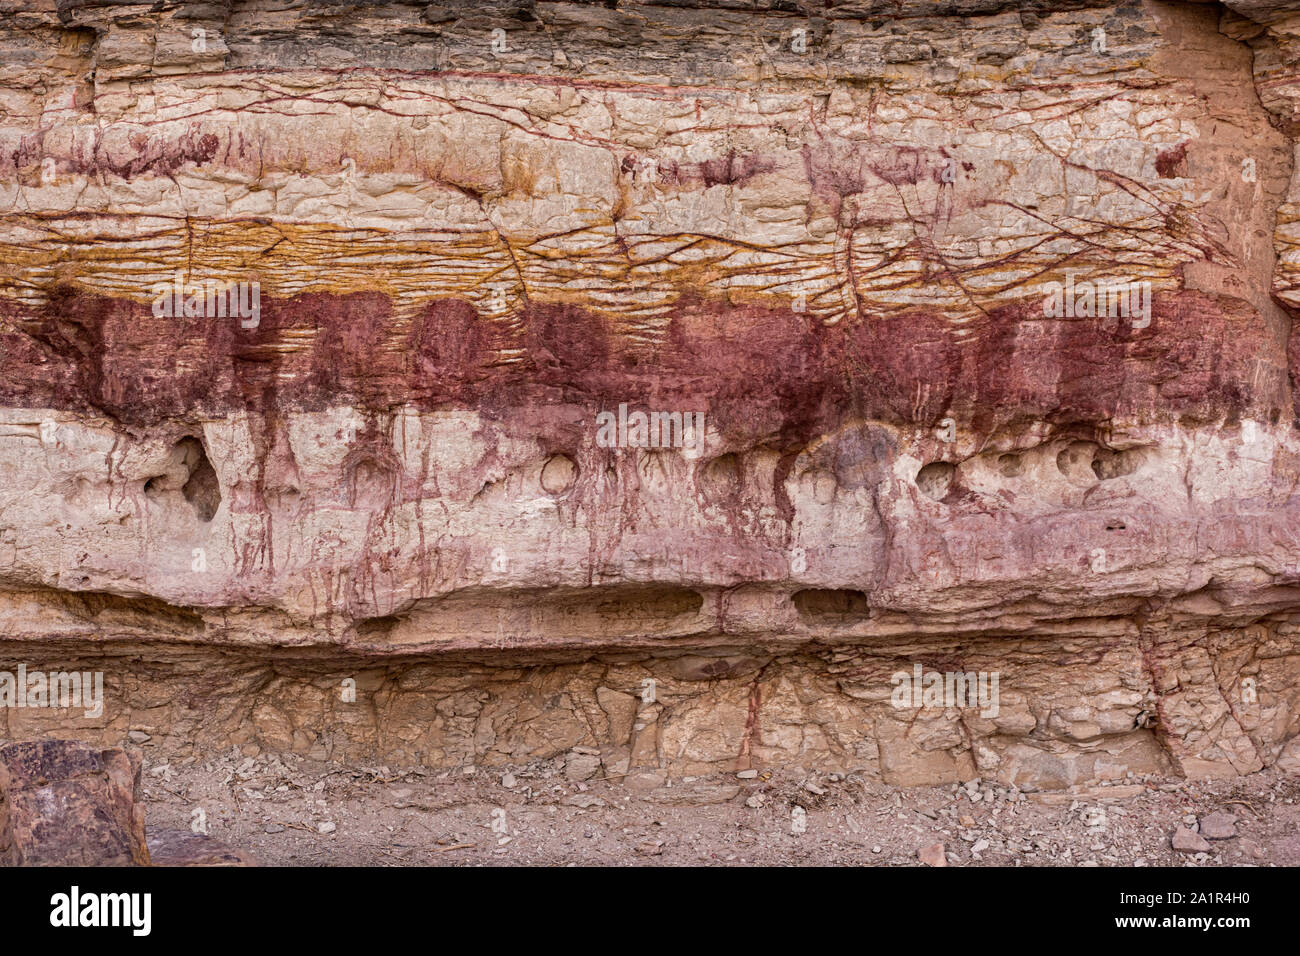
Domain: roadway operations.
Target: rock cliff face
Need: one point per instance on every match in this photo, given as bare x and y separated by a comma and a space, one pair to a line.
309, 313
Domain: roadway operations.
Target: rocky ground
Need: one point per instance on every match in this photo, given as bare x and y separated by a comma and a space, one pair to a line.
291, 811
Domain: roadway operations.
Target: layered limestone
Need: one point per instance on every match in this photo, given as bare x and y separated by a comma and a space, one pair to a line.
309, 313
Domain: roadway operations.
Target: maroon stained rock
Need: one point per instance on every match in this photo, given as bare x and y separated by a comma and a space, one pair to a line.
65, 803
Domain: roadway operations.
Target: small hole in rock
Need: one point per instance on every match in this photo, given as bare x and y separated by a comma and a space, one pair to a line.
1107, 464
558, 474
935, 479
202, 489
190, 473
822, 604
722, 475
1076, 461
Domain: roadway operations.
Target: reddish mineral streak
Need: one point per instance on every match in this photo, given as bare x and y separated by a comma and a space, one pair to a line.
759, 373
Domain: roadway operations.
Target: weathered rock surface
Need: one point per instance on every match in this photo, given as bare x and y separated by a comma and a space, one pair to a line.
171, 847
63, 803
1188, 841
1219, 825
375, 518
932, 855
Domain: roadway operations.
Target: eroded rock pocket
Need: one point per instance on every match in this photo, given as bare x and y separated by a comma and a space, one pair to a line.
190, 473
935, 479
830, 605
1085, 462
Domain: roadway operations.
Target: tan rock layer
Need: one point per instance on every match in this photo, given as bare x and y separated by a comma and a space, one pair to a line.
1164, 698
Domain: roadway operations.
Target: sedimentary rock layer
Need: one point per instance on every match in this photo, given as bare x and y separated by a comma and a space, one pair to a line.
866, 241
